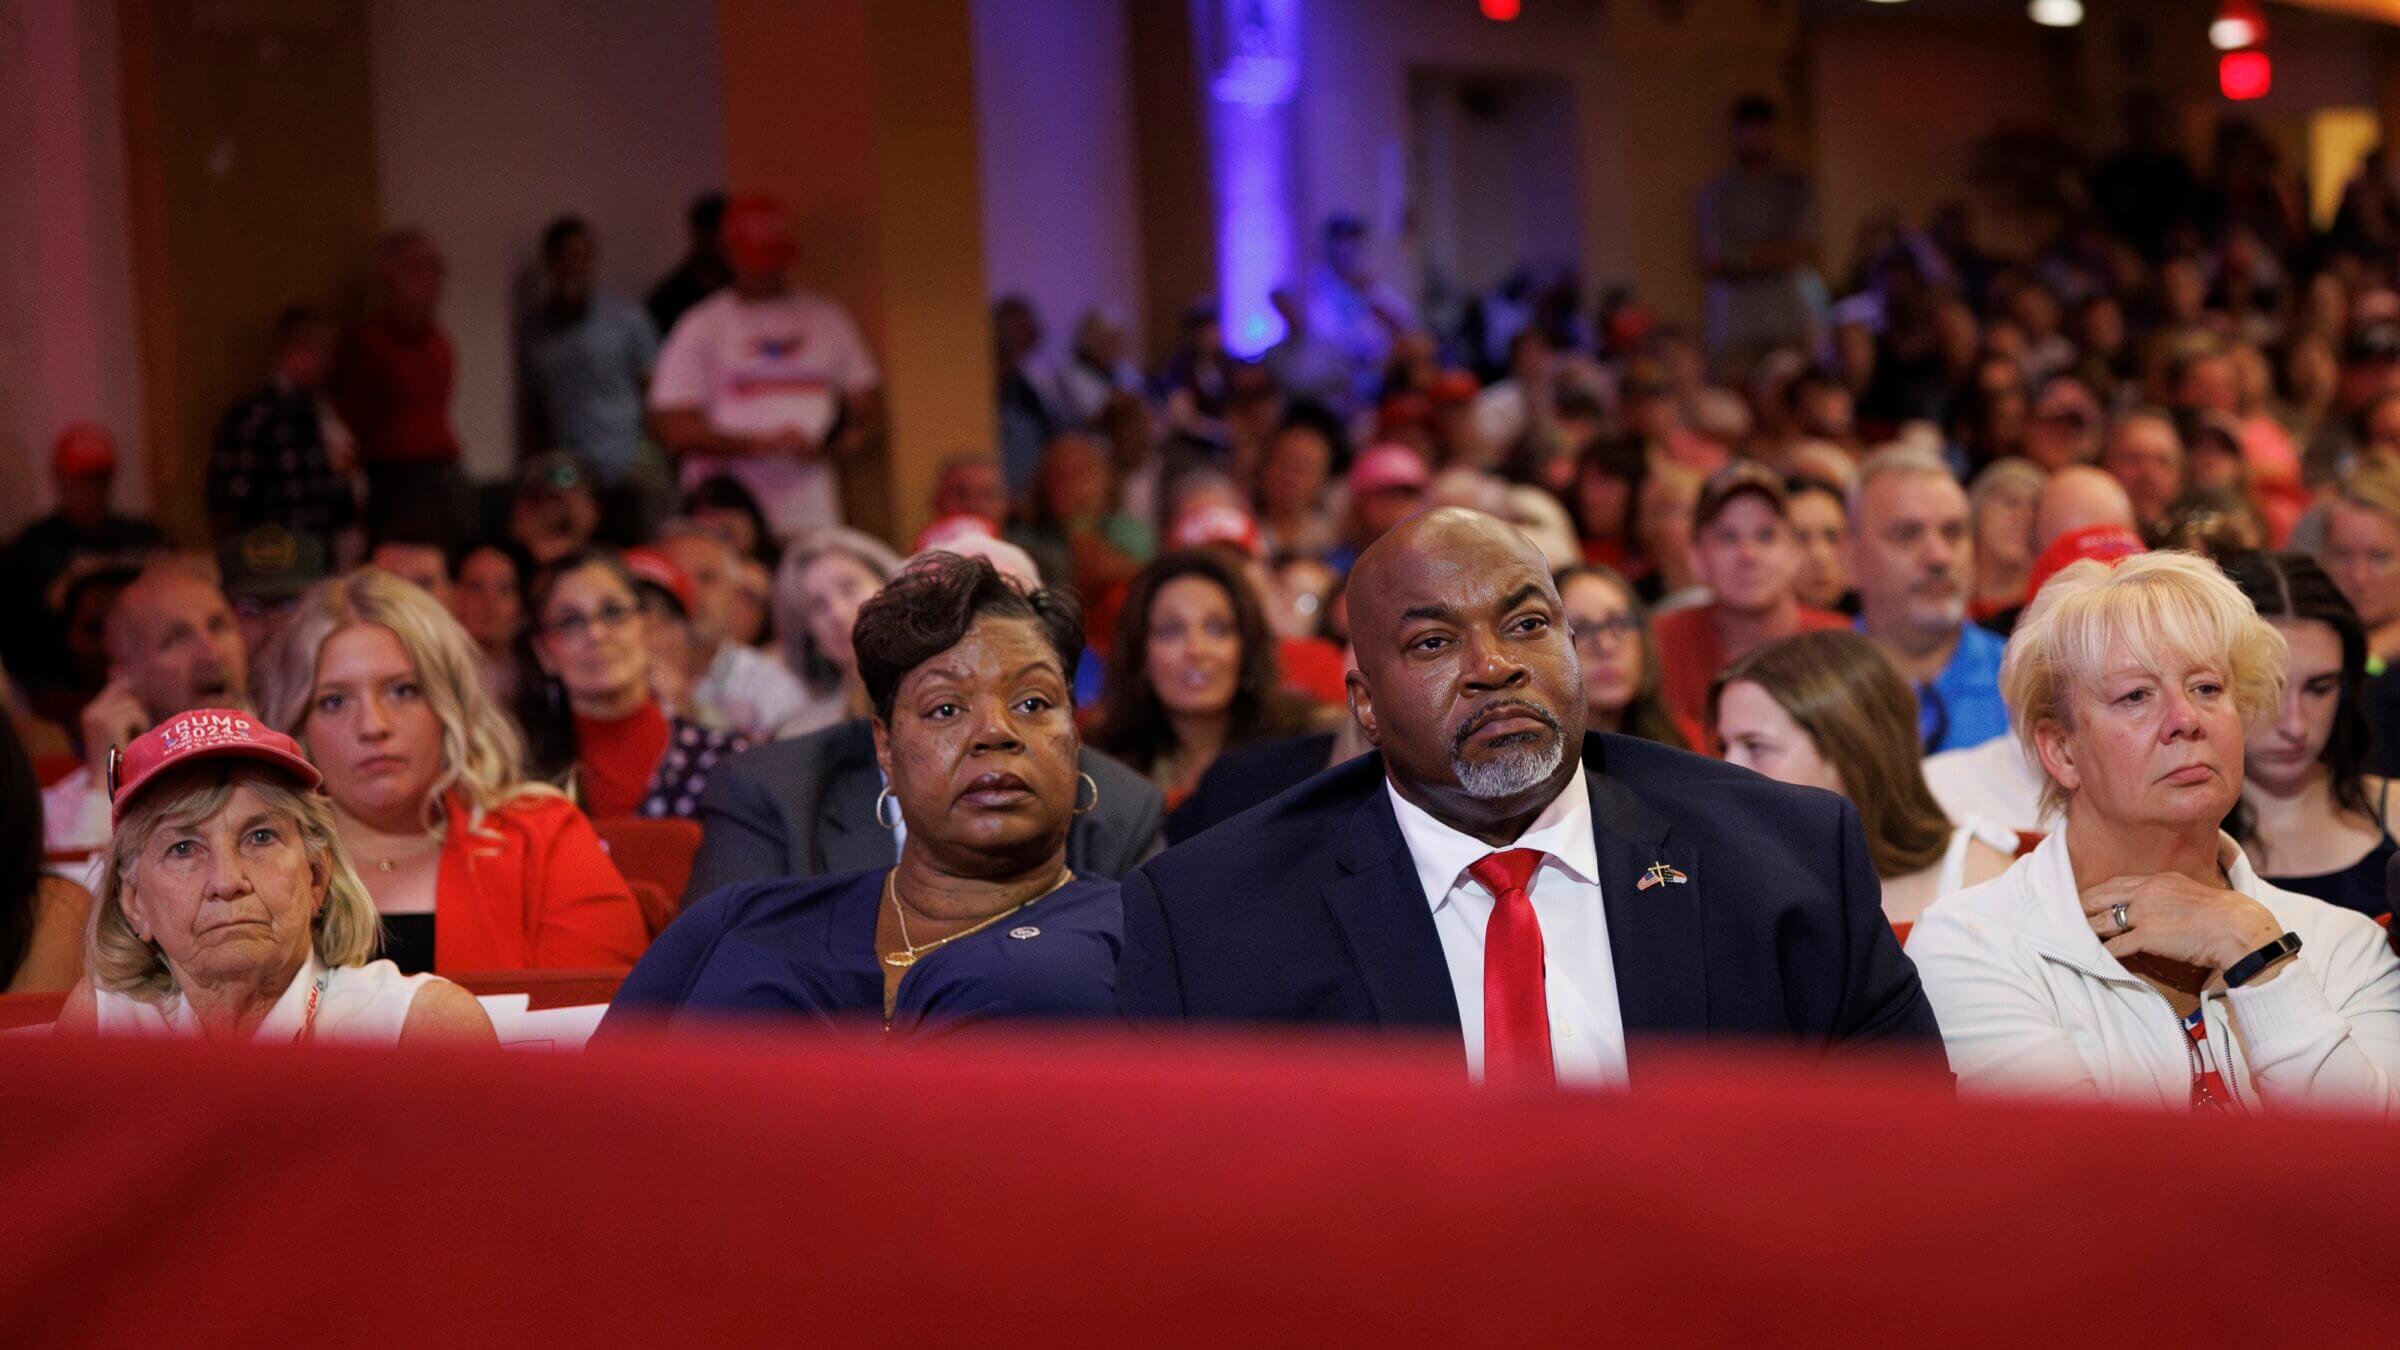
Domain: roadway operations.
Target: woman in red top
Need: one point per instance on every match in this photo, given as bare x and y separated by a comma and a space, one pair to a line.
472, 867
599, 721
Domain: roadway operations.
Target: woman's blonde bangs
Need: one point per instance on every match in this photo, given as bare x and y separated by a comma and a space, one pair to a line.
483, 755
2164, 608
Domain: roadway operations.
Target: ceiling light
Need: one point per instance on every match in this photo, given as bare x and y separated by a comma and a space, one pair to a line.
2238, 24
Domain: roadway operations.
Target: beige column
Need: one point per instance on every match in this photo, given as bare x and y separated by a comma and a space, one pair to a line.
860, 115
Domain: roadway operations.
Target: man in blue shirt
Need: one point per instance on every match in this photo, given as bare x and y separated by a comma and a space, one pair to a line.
1912, 557
586, 357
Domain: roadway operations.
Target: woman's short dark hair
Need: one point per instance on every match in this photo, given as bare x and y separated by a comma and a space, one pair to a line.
1134, 725
2290, 586
20, 849
929, 605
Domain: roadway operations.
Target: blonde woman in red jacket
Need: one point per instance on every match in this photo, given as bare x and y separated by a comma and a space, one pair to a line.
472, 867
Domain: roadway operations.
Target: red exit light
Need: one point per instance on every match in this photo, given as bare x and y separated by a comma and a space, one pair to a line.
2245, 75
1501, 11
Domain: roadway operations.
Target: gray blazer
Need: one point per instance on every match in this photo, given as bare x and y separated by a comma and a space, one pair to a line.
806, 807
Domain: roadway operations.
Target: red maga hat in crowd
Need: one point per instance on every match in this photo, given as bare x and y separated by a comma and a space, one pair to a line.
187, 738
758, 233
83, 449
659, 570
2105, 542
1216, 524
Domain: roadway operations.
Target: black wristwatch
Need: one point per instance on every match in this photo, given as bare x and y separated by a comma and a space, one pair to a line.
2252, 966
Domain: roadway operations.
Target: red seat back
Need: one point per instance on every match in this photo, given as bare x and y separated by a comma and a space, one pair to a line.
658, 905
29, 1010
48, 769
656, 851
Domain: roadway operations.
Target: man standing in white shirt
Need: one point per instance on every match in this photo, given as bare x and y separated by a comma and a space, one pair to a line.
766, 382
1537, 897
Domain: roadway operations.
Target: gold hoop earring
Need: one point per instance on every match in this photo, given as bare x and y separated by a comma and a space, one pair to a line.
1087, 810
880, 799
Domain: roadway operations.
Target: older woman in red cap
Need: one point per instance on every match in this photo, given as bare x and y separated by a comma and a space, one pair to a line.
231, 911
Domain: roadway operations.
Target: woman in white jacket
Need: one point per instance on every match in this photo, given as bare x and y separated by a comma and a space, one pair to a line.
2135, 957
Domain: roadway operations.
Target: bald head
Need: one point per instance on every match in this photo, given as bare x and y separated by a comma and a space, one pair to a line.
1466, 672
2078, 497
172, 635
1444, 536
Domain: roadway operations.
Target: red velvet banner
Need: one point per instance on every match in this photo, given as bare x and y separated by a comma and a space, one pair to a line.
740, 1192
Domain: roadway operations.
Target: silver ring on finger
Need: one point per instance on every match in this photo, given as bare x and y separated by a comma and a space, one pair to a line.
2124, 921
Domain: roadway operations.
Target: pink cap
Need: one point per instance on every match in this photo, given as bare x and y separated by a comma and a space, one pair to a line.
188, 738
1379, 468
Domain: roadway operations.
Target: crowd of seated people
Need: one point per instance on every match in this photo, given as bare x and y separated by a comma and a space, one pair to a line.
1956, 562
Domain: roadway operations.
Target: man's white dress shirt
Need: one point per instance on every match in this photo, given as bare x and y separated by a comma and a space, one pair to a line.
1587, 1029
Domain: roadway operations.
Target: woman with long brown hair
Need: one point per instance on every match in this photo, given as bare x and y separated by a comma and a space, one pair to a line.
1194, 672
2311, 817
1826, 709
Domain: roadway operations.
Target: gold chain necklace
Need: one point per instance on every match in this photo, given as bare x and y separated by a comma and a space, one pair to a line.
910, 953
389, 863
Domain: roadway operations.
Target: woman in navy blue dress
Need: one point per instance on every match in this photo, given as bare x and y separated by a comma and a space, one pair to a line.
971, 679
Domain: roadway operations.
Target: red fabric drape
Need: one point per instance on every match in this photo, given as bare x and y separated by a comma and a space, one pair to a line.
1165, 1192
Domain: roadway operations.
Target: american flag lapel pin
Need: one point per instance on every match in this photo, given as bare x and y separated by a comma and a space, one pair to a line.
1659, 875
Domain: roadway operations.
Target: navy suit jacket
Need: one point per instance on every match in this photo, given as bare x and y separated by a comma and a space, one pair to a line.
1246, 775
1307, 908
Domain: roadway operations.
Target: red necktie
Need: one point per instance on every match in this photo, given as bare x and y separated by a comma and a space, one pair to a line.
1516, 1015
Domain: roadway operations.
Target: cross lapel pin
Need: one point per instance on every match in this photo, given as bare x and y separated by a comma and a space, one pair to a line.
1659, 874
